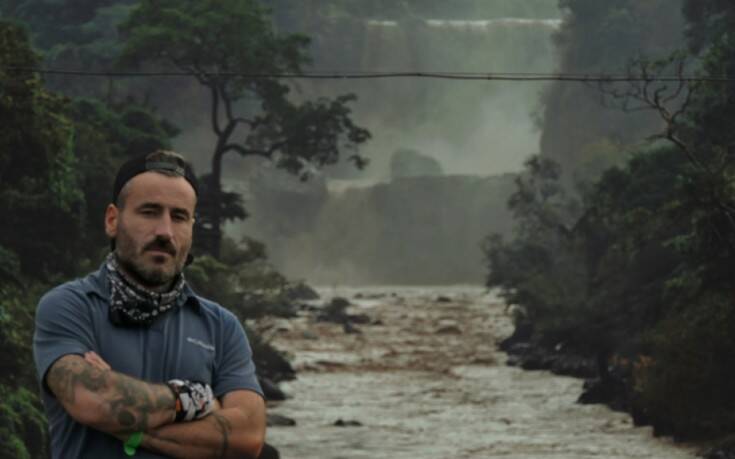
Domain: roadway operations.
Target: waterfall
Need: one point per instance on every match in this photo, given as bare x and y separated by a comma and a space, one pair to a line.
472, 128
484, 24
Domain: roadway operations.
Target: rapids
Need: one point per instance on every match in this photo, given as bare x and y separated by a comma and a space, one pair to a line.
427, 382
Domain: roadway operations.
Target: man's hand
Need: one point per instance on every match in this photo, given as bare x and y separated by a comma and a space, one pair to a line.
194, 400
237, 430
108, 401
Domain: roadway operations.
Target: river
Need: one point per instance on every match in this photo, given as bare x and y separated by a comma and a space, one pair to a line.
427, 381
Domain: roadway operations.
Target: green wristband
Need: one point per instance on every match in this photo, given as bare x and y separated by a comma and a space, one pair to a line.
132, 444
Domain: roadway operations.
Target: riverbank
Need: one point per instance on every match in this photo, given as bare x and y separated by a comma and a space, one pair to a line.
608, 381
423, 378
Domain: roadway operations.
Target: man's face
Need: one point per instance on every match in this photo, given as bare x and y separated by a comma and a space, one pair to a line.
153, 229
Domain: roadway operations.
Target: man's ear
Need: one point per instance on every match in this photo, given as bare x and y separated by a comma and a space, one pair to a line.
111, 215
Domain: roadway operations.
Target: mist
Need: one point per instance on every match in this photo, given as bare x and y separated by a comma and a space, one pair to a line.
477, 132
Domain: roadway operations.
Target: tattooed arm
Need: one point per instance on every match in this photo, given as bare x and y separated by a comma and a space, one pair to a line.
109, 401
237, 430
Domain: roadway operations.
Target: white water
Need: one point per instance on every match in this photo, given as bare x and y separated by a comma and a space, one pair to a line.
423, 394
487, 23
480, 25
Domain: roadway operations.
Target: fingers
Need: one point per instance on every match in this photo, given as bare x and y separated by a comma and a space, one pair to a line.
95, 360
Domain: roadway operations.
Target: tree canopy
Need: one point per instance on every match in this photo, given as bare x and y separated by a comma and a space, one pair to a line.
641, 275
233, 51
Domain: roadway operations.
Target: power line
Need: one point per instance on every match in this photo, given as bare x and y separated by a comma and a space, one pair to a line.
323, 75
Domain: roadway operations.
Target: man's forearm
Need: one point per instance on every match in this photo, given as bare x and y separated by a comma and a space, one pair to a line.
226, 433
109, 401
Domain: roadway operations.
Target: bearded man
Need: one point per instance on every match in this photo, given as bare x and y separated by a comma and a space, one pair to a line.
130, 360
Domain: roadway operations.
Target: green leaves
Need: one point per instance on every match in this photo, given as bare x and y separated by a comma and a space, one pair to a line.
208, 37
654, 248
38, 177
234, 52
22, 425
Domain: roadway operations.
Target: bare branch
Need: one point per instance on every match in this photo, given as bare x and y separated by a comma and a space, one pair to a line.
215, 111
646, 93
237, 149
228, 104
246, 152
241, 120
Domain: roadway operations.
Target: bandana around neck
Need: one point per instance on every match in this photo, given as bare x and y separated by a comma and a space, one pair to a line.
132, 304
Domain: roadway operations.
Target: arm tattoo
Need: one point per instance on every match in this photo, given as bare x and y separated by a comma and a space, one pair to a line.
224, 426
66, 374
130, 401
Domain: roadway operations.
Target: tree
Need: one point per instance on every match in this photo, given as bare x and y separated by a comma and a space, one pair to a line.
696, 117
73, 36
601, 36
39, 201
232, 50
655, 240
38, 175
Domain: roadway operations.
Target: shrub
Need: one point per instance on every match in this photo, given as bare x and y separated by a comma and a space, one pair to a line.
688, 383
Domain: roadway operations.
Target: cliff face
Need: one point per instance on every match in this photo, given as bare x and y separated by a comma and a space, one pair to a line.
414, 230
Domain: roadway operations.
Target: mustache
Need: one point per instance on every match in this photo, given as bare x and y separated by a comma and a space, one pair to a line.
161, 244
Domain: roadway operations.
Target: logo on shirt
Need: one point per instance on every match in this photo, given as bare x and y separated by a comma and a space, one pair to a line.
200, 343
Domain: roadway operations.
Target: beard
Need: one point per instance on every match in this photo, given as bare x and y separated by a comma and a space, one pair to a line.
158, 273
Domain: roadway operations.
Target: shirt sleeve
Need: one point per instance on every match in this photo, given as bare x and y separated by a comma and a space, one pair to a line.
63, 326
234, 368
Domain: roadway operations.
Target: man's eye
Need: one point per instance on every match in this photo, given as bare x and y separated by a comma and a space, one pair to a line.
180, 218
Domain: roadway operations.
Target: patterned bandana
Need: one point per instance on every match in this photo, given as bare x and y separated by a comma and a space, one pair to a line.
132, 304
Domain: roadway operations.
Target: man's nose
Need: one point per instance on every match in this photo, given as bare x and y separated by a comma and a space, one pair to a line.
164, 227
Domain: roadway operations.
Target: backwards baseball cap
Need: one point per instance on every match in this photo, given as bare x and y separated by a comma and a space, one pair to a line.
162, 161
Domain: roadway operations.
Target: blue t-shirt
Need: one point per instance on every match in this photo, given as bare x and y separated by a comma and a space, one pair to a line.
199, 341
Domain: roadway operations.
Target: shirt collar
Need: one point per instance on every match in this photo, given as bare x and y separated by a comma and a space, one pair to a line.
97, 283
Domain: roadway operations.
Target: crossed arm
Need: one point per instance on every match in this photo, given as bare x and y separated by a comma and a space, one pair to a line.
105, 400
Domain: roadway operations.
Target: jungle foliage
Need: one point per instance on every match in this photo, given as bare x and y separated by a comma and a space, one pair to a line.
56, 155
636, 266
600, 37
62, 139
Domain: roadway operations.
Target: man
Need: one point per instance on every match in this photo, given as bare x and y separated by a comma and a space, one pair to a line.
131, 361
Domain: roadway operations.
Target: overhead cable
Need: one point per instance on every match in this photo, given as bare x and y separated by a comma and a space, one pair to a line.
324, 75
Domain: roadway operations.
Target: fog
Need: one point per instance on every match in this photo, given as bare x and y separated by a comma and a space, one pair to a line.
480, 129
470, 127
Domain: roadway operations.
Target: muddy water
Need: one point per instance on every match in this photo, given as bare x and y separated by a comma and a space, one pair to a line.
427, 382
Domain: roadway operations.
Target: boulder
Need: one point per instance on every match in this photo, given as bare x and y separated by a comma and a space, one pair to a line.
343, 423
536, 360
351, 329
339, 303
279, 420
308, 334
521, 334
301, 291
449, 330
361, 319
269, 452
271, 390
573, 365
